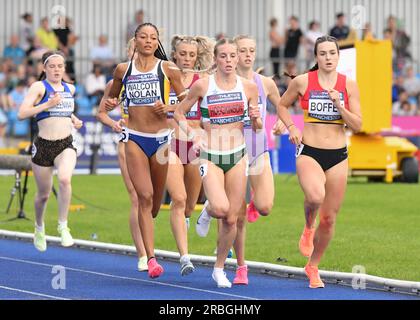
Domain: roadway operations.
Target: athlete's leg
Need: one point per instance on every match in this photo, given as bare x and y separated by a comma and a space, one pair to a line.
192, 181
213, 184
44, 181
262, 184
65, 163
178, 196
239, 244
335, 189
134, 218
159, 170
235, 186
139, 171
312, 181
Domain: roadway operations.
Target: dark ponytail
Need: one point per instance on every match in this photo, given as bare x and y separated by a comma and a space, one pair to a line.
160, 51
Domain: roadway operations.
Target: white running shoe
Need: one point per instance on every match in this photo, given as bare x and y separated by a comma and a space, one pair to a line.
221, 280
186, 266
203, 222
142, 264
66, 238
40, 241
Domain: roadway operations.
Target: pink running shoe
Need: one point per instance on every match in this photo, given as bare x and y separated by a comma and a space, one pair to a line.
154, 269
252, 213
241, 275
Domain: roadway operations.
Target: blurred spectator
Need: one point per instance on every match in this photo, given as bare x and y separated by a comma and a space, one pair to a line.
3, 127
47, 36
276, 40
67, 39
402, 98
220, 36
131, 28
310, 37
13, 51
102, 55
400, 43
3, 115
367, 33
340, 31
397, 87
412, 84
16, 97
406, 109
95, 85
26, 31
36, 51
294, 37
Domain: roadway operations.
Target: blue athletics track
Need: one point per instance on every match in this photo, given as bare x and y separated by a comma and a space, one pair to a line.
26, 274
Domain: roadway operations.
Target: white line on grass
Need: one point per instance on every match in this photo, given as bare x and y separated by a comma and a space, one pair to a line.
128, 278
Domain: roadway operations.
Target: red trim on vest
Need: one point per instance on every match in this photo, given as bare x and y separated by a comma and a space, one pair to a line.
313, 84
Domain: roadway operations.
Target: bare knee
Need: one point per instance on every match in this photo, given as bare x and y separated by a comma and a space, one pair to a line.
314, 200
179, 202
220, 210
265, 208
240, 222
327, 222
230, 221
42, 197
65, 182
145, 200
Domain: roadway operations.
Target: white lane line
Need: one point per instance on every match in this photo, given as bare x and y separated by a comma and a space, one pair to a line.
33, 293
132, 279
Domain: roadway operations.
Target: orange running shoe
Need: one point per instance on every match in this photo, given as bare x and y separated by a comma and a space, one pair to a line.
154, 269
313, 275
306, 242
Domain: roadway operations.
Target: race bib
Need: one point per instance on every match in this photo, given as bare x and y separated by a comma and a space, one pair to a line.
299, 149
203, 169
65, 108
321, 107
225, 108
143, 89
123, 135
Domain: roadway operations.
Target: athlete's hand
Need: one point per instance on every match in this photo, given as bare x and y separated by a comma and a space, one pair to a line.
77, 123
295, 136
198, 143
254, 112
55, 100
160, 109
279, 128
335, 97
110, 104
117, 126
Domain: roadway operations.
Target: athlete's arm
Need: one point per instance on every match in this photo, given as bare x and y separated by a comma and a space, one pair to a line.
174, 75
102, 114
288, 98
27, 109
273, 95
352, 117
77, 123
196, 92
254, 111
112, 101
